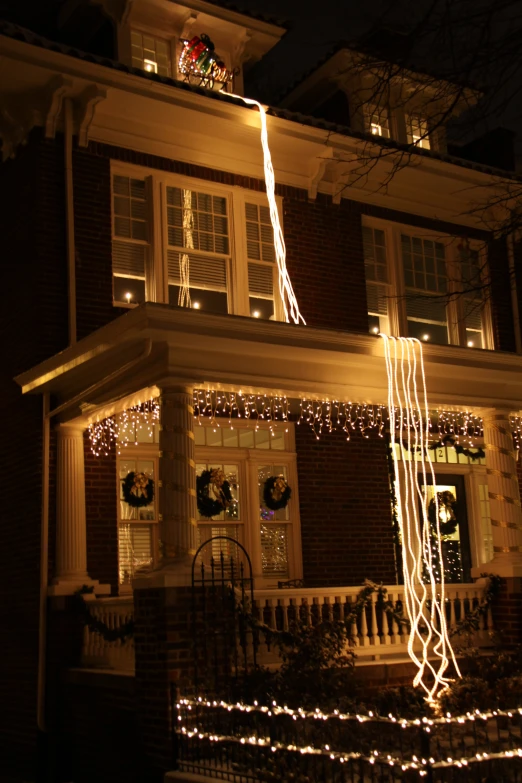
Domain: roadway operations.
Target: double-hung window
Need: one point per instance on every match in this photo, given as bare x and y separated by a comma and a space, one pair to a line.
425, 285
417, 131
377, 120
150, 53
192, 243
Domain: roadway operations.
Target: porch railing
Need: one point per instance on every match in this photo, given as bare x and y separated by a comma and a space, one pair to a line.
99, 653
375, 633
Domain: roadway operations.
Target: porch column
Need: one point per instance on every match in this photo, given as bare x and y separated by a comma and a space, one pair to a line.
504, 495
177, 473
71, 528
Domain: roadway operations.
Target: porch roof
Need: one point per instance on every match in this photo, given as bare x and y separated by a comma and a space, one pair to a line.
155, 343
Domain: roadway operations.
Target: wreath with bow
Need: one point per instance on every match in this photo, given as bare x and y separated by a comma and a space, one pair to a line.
213, 492
138, 489
276, 493
448, 519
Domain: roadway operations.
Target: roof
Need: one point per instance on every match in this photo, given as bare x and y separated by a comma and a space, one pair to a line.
27, 36
253, 13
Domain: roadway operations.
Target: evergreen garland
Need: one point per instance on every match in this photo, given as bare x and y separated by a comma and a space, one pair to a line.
96, 625
449, 440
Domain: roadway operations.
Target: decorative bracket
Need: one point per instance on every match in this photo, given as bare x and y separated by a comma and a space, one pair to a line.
86, 109
318, 169
239, 49
187, 24
56, 91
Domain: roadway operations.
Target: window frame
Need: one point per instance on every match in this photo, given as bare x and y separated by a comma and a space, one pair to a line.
151, 32
156, 270
397, 318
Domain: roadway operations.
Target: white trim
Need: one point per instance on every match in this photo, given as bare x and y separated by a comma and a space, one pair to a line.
397, 304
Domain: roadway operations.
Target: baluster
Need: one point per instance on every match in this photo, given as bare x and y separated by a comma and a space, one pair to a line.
365, 639
329, 608
307, 614
452, 600
272, 617
385, 620
284, 603
354, 631
404, 633
374, 629
395, 637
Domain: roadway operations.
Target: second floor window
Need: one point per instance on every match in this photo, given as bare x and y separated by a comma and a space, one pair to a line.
377, 120
193, 244
150, 54
423, 285
417, 131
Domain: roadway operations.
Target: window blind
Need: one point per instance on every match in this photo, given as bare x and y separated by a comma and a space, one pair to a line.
128, 259
205, 272
261, 280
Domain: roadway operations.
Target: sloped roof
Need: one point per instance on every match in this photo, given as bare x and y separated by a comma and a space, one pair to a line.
16, 32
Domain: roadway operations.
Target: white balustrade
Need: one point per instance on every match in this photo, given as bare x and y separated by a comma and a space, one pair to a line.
376, 633
115, 655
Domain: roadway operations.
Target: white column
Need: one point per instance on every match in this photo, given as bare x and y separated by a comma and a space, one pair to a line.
504, 496
71, 527
177, 473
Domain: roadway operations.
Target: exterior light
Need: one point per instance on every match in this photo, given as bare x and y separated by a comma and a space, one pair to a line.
128, 296
196, 305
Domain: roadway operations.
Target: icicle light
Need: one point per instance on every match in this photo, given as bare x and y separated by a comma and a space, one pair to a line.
425, 598
288, 298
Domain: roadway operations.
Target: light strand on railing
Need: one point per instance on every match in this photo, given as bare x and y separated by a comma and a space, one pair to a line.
318, 714
288, 298
425, 609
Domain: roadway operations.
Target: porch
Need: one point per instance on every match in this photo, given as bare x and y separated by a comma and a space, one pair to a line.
376, 635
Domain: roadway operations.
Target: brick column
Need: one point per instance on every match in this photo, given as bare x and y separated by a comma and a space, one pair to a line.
71, 528
177, 473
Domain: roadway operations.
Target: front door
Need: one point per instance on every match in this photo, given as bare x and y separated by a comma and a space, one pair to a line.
453, 525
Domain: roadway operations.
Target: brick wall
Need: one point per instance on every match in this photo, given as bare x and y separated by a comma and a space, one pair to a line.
33, 322
346, 522
102, 521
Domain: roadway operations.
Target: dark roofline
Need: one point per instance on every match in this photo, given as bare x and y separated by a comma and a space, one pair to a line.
18, 33
252, 13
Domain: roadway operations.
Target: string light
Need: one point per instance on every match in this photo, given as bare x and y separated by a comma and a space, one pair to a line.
215, 406
184, 259
288, 298
425, 608
124, 428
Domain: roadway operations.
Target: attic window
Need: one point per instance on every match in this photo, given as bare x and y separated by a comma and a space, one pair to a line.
150, 54
377, 120
417, 131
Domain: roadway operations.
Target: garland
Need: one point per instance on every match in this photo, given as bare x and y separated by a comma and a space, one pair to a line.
138, 489
276, 493
449, 440
96, 625
214, 481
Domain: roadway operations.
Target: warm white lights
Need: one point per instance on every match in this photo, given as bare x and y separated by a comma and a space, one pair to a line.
128, 297
150, 66
425, 337
188, 242
375, 330
470, 343
288, 298
196, 305
256, 314
425, 602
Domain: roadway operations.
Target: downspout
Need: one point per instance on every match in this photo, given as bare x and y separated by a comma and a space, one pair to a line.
69, 218
514, 293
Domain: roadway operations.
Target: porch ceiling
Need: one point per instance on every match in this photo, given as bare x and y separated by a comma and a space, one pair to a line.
232, 352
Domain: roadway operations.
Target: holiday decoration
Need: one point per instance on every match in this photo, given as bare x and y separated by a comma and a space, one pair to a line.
138, 489
201, 65
276, 493
421, 552
444, 507
212, 492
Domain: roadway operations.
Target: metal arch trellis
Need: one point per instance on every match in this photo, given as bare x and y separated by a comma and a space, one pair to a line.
224, 645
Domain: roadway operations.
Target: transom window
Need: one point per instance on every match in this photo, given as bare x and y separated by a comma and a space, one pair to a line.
150, 53
424, 285
192, 244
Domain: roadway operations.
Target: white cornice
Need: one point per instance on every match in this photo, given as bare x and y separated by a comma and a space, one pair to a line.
249, 355
179, 124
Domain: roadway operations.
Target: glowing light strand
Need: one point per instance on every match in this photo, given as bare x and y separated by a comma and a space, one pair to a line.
188, 242
425, 607
288, 298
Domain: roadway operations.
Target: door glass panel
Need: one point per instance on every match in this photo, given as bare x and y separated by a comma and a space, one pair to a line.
453, 530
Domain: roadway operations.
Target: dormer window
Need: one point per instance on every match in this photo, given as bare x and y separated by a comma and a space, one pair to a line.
150, 54
377, 120
417, 131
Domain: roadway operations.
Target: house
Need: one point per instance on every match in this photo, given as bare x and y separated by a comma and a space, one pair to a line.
139, 254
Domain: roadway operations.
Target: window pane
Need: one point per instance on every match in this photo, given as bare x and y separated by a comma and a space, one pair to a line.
425, 288
135, 551
274, 550
129, 290
261, 308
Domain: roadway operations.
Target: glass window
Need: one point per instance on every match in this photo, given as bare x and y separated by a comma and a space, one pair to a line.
425, 282
417, 131
472, 296
260, 249
150, 54
274, 528
130, 239
377, 120
137, 526
376, 272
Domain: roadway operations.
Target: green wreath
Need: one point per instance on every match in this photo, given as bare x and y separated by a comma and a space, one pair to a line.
448, 504
138, 489
276, 493
212, 481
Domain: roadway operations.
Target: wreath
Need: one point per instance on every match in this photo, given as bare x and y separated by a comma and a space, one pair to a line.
138, 489
448, 520
212, 492
276, 493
